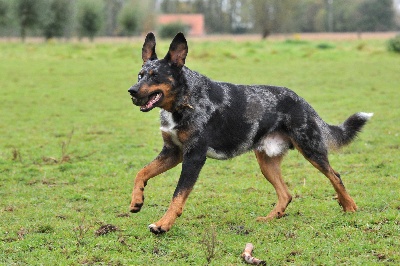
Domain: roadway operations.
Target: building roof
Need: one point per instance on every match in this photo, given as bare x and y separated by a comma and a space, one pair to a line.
194, 21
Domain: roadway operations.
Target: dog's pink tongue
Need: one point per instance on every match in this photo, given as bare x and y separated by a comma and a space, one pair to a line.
153, 99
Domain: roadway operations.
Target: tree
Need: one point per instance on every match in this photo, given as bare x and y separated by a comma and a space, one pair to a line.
28, 15
90, 19
3, 13
272, 15
376, 15
112, 10
240, 15
169, 6
216, 16
176, 6
147, 15
56, 19
128, 19
311, 16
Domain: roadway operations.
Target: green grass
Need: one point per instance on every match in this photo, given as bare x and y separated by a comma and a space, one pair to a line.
71, 143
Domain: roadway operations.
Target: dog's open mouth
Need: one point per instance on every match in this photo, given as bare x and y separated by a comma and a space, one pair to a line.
152, 101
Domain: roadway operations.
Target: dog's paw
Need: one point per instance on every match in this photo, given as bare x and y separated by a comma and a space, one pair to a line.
347, 204
273, 215
264, 219
352, 207
135, 207
156, 229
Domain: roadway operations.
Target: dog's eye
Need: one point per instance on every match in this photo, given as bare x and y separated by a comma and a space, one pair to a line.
139, 76
155, 76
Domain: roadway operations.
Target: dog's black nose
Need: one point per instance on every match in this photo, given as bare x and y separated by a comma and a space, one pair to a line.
134, 89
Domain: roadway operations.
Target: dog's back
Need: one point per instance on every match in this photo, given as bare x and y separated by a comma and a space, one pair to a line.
239, 118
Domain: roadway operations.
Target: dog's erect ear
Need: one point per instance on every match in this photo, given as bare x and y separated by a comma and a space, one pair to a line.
149, 48
178, 50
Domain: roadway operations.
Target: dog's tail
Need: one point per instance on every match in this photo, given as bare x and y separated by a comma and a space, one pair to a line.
344, 133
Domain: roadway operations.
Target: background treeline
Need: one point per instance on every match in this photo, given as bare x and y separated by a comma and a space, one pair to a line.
88, 18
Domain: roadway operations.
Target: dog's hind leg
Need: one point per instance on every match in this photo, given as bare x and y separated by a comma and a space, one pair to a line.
320, 161
168, 158
271, 169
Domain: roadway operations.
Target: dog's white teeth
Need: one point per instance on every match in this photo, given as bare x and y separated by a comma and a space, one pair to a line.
155, 99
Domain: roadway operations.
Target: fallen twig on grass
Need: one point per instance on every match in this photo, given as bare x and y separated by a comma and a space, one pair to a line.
246, 255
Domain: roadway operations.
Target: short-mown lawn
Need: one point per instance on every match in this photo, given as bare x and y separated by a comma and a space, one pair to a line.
71, 143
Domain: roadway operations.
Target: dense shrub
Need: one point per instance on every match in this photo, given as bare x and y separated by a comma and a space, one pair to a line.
324, 46
56, 19
28, 15
170, 30
128, 19
90, 19
394, 44
3, 13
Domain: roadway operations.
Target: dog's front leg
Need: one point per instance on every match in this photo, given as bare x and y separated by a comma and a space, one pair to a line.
192, 163
168, 158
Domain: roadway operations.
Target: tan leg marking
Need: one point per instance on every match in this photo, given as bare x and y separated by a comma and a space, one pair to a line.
270, 167
174, 211
159, 165
344, 198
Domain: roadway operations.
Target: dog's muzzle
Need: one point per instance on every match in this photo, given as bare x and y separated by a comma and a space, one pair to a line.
146, 102
133, 91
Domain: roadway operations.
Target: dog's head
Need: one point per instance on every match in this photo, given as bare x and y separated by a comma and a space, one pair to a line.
157, 80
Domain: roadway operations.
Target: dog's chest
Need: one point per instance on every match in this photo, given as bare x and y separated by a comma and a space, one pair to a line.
168, 126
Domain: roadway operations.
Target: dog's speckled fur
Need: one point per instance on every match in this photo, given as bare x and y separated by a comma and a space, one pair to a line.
203, 118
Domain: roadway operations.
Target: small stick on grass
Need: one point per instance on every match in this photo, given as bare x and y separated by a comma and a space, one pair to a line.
246, 255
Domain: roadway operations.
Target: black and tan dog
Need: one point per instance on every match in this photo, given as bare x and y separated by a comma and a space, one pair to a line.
202, 118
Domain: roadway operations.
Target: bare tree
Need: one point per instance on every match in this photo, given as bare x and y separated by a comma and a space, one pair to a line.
112, 8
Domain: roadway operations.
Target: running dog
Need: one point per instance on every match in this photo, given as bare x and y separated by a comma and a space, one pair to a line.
203, 118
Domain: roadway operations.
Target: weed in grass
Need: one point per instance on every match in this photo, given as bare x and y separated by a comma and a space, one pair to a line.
64, 148
80, 232
123, 241
209, 243
22, 232
9, 208
44, 229
361, 46
65, 157
16, 155
324, 46
296, 41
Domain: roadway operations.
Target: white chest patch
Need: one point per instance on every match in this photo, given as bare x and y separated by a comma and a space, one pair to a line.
174, 136
274, 145
170, 128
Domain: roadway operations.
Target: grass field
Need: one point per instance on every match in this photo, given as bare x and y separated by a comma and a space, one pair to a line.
71, 143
